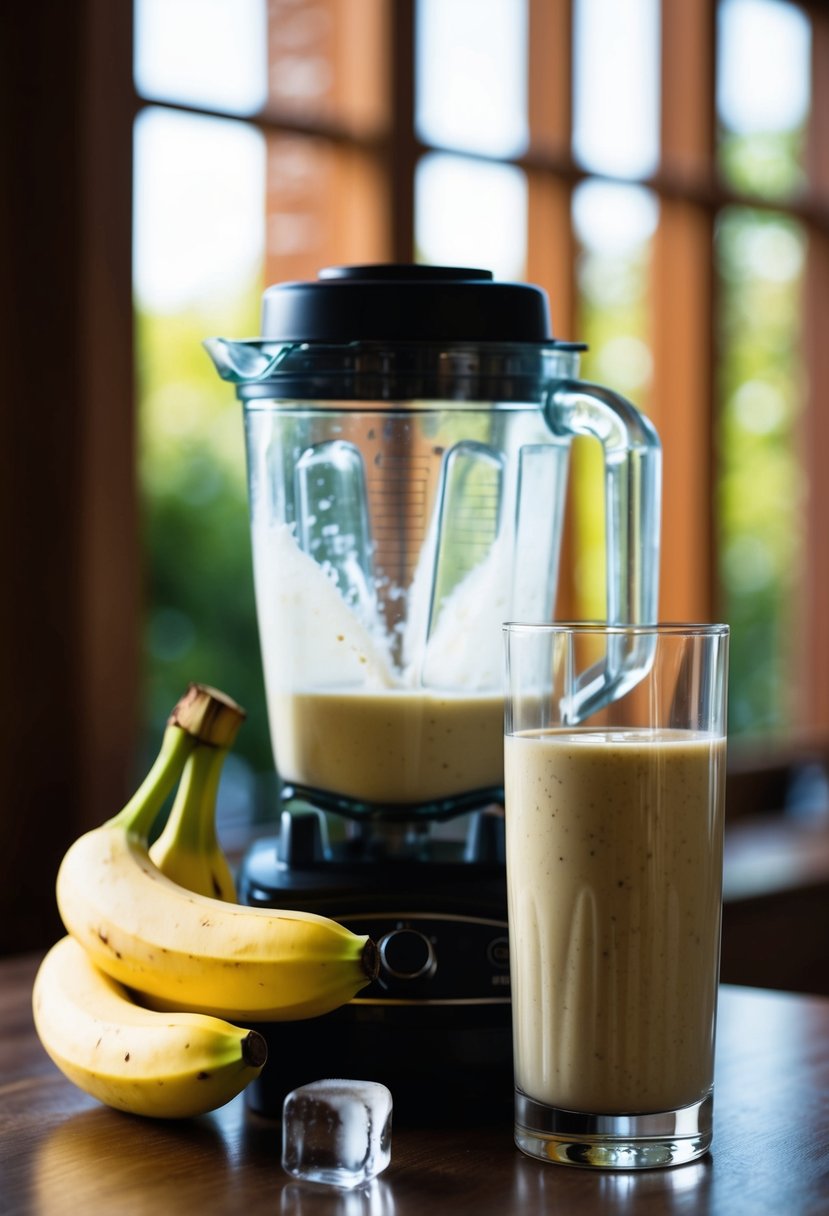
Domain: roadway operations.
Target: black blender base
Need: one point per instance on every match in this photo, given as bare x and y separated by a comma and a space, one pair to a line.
435, 1026
440, 1064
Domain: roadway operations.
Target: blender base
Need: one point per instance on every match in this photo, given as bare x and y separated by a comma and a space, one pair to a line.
435, 1026
438, 1066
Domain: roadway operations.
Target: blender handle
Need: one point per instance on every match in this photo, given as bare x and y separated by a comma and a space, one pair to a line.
633, 474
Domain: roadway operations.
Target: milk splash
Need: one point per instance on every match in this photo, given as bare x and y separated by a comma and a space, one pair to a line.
310, 636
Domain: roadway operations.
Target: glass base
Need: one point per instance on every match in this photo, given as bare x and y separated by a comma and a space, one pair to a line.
614, 1142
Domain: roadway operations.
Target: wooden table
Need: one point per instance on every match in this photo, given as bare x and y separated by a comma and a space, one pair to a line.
62, 1153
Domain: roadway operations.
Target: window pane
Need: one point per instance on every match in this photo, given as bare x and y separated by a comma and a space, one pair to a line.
471, 214
199, 209
471, 90
614, 227
199, 243
616, 86
760, 261
202, 52
763, 86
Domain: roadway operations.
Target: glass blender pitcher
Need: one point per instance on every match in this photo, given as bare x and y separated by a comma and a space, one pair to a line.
407, 433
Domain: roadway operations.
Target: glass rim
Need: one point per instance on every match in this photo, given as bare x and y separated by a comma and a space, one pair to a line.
599, 628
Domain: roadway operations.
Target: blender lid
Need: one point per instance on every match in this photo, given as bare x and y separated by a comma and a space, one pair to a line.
407, 303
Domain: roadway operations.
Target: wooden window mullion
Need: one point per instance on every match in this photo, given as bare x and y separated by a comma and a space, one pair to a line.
814, 656
683, 305
550, 244
551, 247
402, 146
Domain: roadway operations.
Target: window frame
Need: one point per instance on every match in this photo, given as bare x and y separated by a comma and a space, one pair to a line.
691, 194
72, 672
70, 613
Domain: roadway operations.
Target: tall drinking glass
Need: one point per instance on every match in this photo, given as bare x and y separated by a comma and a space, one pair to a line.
614, 869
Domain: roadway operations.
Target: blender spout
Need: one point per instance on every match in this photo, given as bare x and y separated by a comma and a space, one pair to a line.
246, 362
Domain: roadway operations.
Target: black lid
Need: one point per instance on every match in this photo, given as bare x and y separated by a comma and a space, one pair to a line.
405, 303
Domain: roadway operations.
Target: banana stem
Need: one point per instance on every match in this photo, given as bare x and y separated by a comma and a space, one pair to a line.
139, 815
370, 959
192, 821
202, 715
254, 1049
209, 714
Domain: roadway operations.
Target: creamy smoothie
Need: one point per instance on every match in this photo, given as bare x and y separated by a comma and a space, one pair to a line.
390, 746
346, 718
614, 855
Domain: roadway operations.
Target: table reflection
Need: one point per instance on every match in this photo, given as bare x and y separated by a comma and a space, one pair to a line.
683, 1188
102, 1160
307, 1199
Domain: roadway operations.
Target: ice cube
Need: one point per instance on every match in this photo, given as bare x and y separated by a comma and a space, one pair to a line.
337, 1131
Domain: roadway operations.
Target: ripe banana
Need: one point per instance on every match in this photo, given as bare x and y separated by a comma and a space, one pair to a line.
180, 950
187, 850
166, 1065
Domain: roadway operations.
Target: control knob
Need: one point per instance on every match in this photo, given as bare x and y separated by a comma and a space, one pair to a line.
406, 954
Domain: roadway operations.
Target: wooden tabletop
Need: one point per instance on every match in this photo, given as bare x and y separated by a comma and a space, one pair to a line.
63, 1153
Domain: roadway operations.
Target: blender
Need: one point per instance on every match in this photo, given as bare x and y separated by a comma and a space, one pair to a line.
408, 431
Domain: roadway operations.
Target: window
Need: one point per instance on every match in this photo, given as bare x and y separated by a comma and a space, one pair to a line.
661, 169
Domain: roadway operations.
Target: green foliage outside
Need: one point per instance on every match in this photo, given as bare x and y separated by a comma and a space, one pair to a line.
200, 621
614, 322
768, 165
760, 490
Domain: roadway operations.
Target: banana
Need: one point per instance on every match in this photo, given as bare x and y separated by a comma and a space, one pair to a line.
181, 950
187, 850
133, 1059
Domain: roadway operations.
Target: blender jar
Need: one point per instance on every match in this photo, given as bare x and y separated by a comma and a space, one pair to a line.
407, 435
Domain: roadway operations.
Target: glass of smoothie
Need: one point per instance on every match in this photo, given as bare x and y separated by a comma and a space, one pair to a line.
614, 828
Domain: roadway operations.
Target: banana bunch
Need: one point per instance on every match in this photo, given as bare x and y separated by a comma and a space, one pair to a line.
160, 956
